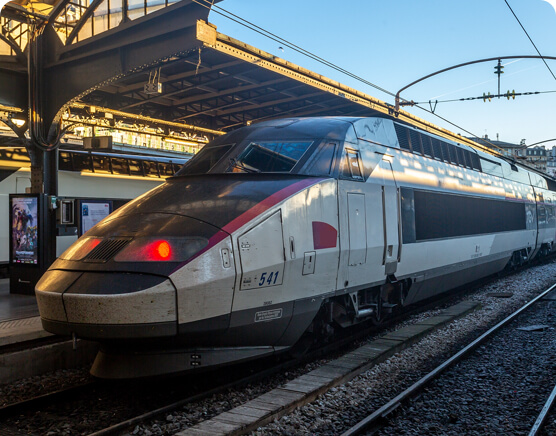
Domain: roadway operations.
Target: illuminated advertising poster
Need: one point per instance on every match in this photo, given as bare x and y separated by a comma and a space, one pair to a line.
92, 213
25, 230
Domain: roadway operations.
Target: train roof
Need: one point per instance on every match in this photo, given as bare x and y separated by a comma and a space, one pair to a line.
319, 127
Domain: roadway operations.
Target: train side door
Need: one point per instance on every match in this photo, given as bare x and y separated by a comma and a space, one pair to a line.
357, 229
353, 204
391, 218
259, 313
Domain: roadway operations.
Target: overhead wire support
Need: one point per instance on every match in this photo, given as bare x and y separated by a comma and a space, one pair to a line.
486, 96
536, 143
498, 70
453, 67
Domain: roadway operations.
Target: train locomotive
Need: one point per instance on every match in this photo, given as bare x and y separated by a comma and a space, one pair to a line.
286, 229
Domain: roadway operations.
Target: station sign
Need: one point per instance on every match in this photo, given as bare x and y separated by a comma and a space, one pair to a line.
91, 212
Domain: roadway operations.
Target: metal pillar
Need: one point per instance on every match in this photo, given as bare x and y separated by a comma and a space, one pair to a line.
50, 180
42, 146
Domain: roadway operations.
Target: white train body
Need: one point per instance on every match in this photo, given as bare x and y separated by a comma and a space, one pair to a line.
288, 227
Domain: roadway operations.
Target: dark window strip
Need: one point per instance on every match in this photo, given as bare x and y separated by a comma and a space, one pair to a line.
427, 146
415, 141
402, 137
420, 143
439, 216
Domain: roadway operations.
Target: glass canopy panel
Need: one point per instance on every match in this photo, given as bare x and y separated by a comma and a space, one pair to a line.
17, 31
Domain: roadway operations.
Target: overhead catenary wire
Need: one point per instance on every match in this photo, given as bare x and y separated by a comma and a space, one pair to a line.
251, 26
530, 39
221, 11
481, 97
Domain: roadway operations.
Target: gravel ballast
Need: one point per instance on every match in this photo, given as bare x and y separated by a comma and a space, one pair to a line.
460, 407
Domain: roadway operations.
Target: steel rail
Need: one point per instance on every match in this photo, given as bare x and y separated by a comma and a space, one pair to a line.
544, 414
384, 411
116, 429
18, 408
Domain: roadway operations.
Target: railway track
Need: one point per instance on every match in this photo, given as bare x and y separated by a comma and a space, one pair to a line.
39, 401
110, 404
381, 417
538, 426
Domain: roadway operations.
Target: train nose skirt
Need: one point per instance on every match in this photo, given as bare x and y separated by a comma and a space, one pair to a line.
115, 364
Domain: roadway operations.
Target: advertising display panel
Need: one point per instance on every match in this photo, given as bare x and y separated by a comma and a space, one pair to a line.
25, 229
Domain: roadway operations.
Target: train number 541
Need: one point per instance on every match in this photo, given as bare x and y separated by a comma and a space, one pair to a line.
268, 278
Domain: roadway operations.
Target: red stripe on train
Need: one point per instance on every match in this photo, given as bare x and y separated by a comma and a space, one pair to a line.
252, 213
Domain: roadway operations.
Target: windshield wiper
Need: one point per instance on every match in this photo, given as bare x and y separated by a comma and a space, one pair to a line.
240, 165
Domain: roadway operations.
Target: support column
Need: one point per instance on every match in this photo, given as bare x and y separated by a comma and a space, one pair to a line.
43, 153
50, 180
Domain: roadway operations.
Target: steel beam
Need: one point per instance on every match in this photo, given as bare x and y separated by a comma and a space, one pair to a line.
75, 70
13, 88
229, 91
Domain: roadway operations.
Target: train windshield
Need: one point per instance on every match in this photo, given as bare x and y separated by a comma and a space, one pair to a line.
268, 157
248, 157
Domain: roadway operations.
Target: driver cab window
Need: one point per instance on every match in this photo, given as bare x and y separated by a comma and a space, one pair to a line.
321, 163
203, 161
352, 165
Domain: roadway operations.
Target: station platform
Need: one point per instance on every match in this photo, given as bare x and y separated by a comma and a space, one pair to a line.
23, 352
19, 317
14, 306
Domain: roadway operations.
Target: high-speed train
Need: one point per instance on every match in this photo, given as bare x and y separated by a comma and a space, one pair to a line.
290, 228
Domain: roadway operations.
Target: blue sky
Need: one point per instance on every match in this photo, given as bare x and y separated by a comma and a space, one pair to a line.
391, 43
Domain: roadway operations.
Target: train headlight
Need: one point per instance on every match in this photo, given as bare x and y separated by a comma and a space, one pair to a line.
81, 248
161, 249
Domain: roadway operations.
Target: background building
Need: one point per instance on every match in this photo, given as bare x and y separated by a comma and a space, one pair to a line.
536, 157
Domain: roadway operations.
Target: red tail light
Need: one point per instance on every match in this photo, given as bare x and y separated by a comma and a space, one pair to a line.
152, 249
160, 250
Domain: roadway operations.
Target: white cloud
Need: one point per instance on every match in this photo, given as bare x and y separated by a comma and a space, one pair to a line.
552, 3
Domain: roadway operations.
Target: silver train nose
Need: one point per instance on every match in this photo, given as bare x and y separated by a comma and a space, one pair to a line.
110, 306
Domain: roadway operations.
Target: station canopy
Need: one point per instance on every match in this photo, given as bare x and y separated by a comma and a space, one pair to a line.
162, 63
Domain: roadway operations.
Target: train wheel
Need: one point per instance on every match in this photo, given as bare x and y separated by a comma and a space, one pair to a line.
303, 345
319, 333
377, 316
